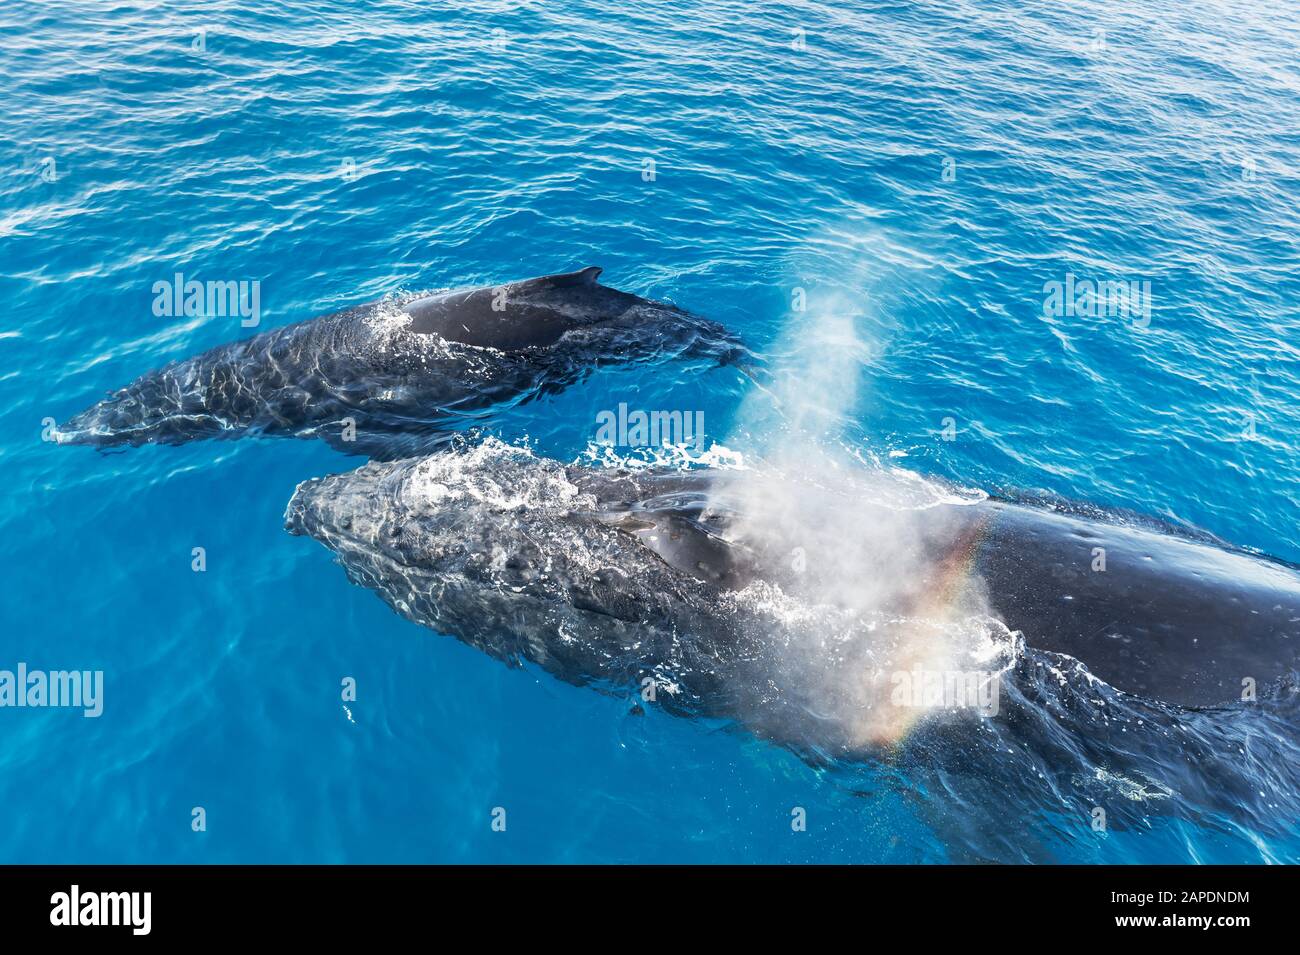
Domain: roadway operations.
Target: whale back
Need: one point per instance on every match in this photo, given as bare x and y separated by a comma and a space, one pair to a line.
1163, 616
532, 313
672, 514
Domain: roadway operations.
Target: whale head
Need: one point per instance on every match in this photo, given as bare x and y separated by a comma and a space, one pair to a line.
147, 411
511, 553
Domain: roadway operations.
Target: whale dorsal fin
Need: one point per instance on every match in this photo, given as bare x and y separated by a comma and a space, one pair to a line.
587, 276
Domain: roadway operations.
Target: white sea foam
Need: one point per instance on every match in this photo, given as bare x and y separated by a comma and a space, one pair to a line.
1127, 788
444, 479
680, 457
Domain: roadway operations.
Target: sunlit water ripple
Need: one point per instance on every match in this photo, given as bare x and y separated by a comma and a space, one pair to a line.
338, 152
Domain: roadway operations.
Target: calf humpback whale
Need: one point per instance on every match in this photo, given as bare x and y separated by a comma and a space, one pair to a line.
618, 577
378, 378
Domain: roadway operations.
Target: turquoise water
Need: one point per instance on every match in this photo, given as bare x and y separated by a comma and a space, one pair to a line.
335, 152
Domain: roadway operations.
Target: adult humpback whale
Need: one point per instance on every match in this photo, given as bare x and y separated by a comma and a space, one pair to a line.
730, 594
377, 377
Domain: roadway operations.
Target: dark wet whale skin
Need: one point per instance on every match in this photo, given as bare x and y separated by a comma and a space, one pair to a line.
1170, 617
460, 353
629, 578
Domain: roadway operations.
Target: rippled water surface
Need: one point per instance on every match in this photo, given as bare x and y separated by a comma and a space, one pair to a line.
924, 167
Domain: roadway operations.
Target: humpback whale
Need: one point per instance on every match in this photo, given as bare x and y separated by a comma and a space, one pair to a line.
689, 582
378, 378
629, 578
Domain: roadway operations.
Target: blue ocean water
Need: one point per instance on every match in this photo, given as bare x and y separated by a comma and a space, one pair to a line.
937, 162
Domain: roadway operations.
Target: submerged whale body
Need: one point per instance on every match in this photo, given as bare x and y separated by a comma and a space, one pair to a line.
378, 377
618, 577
